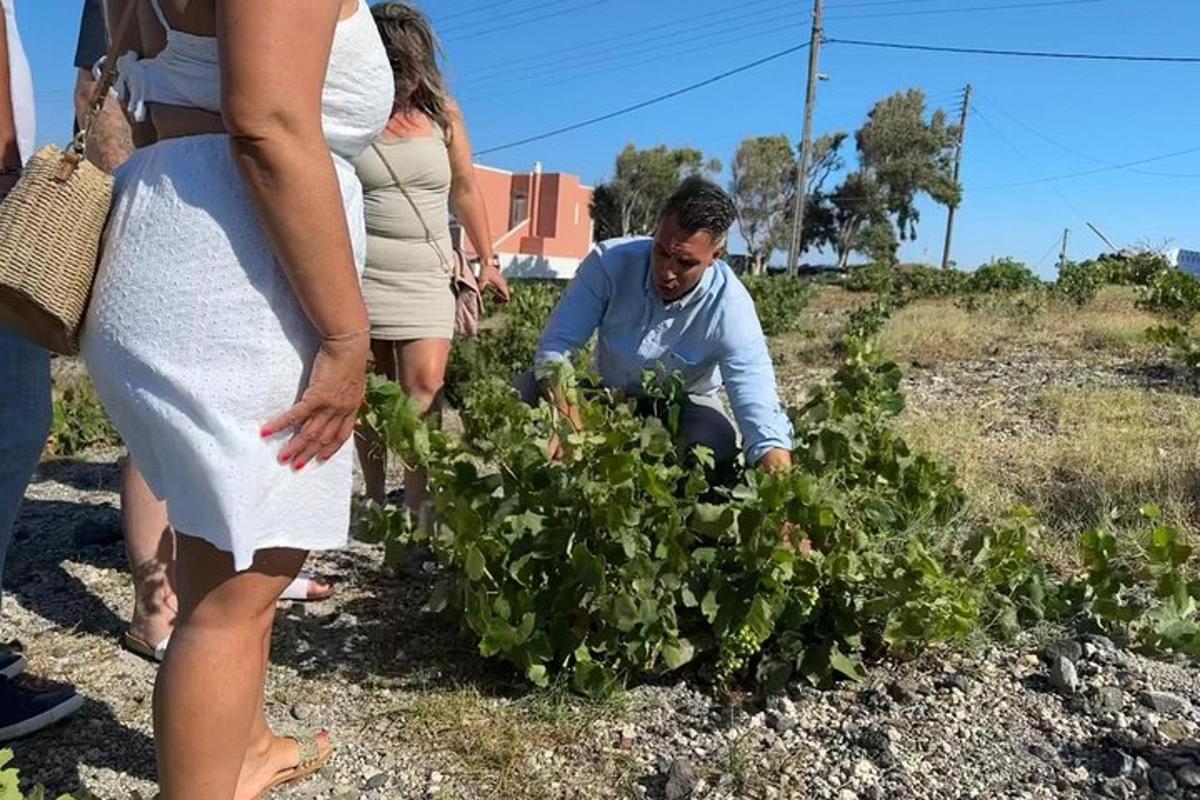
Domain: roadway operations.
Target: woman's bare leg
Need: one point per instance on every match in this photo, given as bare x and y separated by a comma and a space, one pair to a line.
372, 455
150, 548
207, 705
422, 368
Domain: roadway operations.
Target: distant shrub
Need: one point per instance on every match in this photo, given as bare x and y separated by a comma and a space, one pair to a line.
875, 278
779, 300
1172, 292
1005, 275
916, 281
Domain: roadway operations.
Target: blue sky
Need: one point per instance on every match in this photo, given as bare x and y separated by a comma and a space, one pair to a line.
526, 66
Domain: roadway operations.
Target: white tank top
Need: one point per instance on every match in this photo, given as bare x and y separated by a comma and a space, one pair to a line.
22, 83
356, 101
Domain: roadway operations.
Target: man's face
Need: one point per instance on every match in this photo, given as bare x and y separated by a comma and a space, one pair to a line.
680, 259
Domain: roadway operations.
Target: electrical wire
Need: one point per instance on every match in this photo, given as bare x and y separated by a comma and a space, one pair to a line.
686, 25
489, 28
1069, 149
933, 12
722, 35
626, 65
645, 103
1016, 53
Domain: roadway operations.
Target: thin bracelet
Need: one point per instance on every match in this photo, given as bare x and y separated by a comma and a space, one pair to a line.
346, 337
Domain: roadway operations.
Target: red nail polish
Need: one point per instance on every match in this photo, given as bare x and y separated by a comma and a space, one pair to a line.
265, 432
300, 465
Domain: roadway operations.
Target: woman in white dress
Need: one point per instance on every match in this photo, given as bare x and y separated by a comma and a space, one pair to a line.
228, 339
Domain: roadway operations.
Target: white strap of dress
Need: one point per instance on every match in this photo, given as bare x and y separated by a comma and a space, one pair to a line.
162, 18
131, 85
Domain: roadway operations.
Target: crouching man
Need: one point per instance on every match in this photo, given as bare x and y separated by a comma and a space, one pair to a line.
670, 305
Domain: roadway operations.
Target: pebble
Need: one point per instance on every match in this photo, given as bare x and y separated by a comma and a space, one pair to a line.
1066, 648
1163, 781
301, 712
1116, 763
779, 722
1162, 702
377, 781
681, 779
1188, 776
904, 691
1062, 675
1173, 730
1108, 698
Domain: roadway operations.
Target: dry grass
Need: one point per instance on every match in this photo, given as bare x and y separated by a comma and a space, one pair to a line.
1073, 455
505, 745
932, 331
824, 319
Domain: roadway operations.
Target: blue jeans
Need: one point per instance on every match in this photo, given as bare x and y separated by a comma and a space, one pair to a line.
25, 415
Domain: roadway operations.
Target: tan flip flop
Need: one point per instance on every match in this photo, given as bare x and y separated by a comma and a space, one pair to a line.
140, 647
311, 760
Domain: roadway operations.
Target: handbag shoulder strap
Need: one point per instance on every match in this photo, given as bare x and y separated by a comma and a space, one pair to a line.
416, 210
118, 40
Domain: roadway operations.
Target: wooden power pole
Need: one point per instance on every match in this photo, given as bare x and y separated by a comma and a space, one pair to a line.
810, 101
962, 135
1062, 257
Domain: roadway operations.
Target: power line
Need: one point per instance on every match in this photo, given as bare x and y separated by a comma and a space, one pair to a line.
489, 28
475, 10
1077, 153
624, 65
931, 12
721, 35
1097, 171
1018, 53
687, 24
509, 12
652, 101
1066, 202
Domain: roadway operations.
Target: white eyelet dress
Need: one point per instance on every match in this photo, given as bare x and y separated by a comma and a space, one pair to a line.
194, 337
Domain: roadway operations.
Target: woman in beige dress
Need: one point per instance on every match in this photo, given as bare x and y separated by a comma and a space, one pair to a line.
411, 176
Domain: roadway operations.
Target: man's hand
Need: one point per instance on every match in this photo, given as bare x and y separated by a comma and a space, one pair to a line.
775, 460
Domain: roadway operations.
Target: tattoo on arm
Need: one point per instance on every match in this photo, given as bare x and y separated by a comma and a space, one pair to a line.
110, 142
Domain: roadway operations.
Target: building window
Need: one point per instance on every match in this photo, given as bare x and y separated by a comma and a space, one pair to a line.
520, 210
577, 213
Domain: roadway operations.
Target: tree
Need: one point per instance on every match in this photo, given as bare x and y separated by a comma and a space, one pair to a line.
763, 188
763, 178
630, 202
907, 156
900, 155
859, 212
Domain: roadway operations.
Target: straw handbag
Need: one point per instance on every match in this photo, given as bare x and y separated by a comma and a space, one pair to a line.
50, 229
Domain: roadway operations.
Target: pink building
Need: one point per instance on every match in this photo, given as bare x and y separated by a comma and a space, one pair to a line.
541, 221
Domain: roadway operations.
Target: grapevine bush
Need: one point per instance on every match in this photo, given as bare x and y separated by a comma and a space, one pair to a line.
779, 300
506, 346
622, 560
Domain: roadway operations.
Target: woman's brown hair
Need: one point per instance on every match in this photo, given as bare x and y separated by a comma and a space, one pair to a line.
413, 51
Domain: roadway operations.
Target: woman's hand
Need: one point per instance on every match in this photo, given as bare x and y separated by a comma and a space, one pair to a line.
490, 278
324, 418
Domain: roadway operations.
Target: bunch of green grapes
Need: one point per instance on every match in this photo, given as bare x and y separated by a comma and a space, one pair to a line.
736, 651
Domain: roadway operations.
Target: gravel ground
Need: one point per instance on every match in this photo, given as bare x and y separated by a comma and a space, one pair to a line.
416, 714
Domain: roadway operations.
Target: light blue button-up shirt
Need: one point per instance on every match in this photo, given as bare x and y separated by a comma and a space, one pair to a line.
711, 336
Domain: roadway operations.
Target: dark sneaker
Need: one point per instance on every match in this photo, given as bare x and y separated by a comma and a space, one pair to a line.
12, 663
23, 712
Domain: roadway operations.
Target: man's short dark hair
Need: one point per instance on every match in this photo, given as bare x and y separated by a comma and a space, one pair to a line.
700, 205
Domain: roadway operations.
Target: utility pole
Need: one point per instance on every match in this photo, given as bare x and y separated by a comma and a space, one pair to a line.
1096, 231
962, 135
810, 101
1062, 258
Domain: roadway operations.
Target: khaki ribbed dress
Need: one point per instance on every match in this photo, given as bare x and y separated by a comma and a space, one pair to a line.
406, 284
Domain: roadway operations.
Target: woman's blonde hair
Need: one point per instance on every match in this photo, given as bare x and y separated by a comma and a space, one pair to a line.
413, 51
